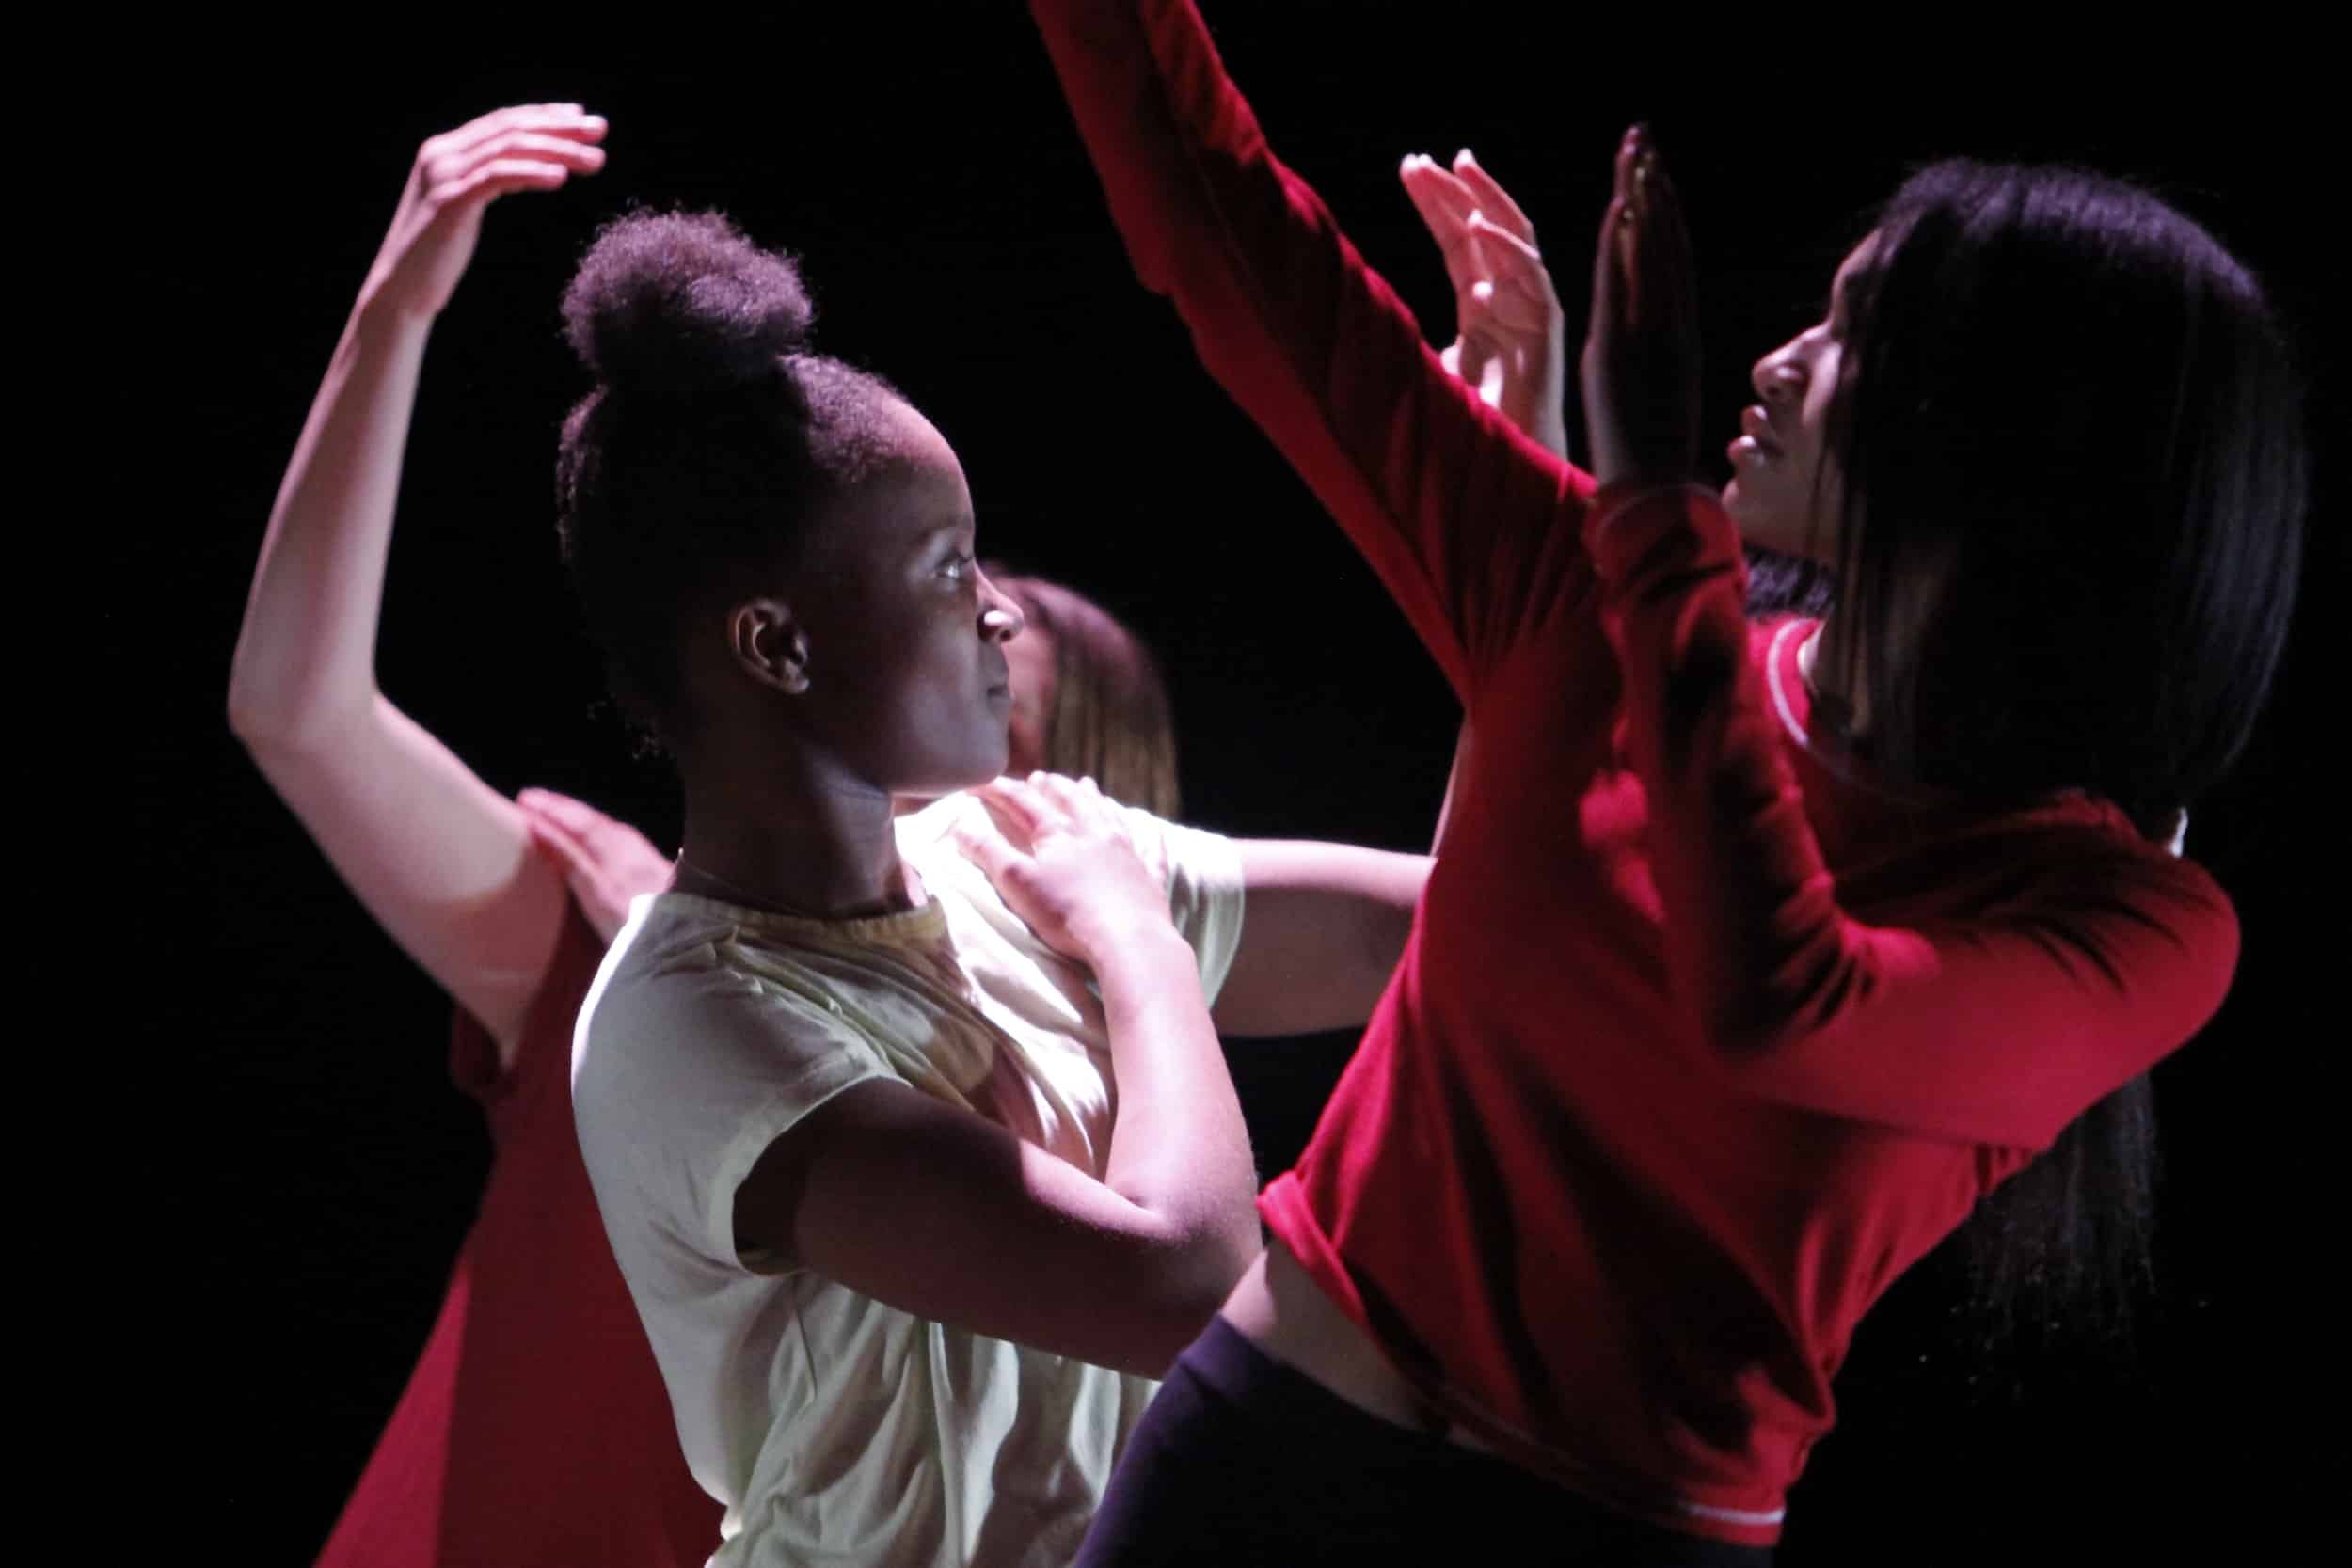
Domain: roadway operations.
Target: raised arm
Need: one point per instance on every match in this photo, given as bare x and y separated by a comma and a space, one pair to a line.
1510, 341
2095, 956
944, 1214
442, 860
1469, 524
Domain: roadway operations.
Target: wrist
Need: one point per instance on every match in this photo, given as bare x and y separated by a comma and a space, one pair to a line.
1118, 945
383, 315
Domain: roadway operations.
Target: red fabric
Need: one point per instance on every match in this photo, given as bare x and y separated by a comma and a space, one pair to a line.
1699, 1040
536, 1428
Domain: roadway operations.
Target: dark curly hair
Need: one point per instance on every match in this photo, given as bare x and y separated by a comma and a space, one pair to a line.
713, 435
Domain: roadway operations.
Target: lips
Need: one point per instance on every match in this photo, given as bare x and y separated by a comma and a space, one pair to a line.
1757, 425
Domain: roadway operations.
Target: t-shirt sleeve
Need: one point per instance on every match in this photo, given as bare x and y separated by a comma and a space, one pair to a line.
2082, 968
1202, 872
1469, 525
683, 1077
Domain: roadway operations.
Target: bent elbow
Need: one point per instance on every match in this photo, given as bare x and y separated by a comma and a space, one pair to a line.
1192, 1280
1185, 1307
275, 727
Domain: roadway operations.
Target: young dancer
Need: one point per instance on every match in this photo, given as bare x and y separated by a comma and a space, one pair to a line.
913, 1137
533, 1427
1752, 961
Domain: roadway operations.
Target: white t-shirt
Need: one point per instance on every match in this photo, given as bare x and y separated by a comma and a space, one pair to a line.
835, 1428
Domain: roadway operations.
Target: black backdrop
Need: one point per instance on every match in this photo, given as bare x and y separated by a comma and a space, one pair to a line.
312, 1168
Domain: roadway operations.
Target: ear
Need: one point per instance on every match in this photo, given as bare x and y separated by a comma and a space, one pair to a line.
768, 644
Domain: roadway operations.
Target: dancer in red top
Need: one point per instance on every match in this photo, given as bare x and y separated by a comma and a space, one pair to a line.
1755, 956
535, 1428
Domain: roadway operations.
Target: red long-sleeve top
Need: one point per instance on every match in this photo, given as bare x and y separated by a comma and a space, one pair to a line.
1700, 1037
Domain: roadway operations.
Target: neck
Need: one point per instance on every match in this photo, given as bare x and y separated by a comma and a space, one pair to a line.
793, 837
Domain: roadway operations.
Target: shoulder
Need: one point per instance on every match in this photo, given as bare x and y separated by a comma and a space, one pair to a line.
679, 999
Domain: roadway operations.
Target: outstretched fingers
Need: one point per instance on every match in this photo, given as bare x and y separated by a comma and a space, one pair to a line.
1015, 808
1521, 294
511, 160
1490, 197
1445, 205
1613, 256
570, 120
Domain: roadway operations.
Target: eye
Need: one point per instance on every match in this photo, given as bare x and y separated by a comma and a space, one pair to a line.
958, 567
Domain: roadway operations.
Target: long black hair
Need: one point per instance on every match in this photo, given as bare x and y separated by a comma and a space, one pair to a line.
2070, 409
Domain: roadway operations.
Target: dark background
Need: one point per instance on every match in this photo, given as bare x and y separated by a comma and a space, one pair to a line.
312, 1167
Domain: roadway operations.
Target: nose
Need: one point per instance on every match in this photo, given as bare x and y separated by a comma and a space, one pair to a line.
1000, 615
1778, 376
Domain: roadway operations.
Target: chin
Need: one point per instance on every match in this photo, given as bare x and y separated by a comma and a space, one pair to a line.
1761, 527
1742, 511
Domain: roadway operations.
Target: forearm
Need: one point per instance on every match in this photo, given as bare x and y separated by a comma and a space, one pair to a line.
1757, 941
439, 858
305, 662
1321, 933
1179, 1149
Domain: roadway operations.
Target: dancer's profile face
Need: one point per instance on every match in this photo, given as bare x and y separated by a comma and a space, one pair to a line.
907, 682
1035, 685
1786, 488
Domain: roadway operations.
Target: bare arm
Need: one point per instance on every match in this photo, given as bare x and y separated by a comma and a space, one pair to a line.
442, 860
946, 1215
1324, 927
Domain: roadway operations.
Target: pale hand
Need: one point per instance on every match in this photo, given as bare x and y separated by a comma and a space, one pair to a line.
534, 148
1511, 333
1061, 860
605, 862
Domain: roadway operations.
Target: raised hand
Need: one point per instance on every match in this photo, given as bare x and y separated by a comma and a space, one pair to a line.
1640, 367
1062, 860
534, 148
1511, 334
